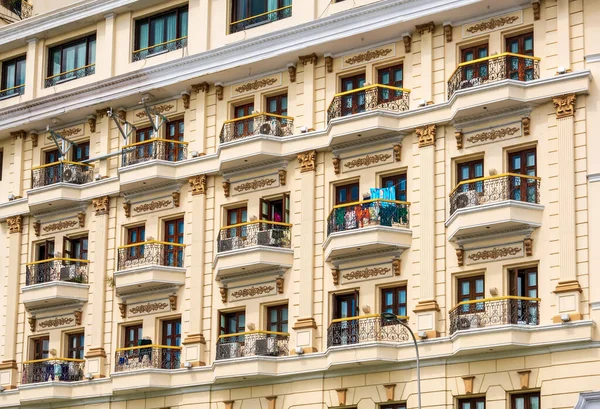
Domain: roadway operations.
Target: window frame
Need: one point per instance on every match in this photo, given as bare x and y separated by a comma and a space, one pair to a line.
471, 401
84, 252
224, 330
278, 103
79, 349
148, 20
86, 39
396, 304
348, 187
527, 402
4, 74
174, 254
139, 327
396, 179
280, 322
34, 347
249, 3
81, 147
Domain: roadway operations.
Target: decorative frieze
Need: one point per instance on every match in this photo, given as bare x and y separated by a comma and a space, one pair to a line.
100, 205
426, 28
365, 273
492, 135
60, 225
153, 205
308, 59
148, 308
492, 24
15, 224
71, 132
368, 160
564, 105
363, 57
256, 85
253, 291
308, 161
198, 185
426, 135
56, 322
163, 109
255, 184
493, 253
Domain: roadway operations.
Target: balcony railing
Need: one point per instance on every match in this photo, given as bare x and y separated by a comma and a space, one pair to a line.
70, 75
62, 172
494, 311
147, 356
494, 68
365, 328
154, 149
497, 188
256, 124
53, 369
12, 92
158, 49
152, 252
19, 7
373, 212
57, 269
369, 98
253, 343
260, 19
255, 233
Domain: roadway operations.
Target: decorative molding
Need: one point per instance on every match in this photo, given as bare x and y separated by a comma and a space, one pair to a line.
36, 228
100, 205
368, 56
492, 24
71, 132
32, 321
426, 135
92, 123
459, 139
396, 266
282, 173
252, 291
525, 123
226, 186
448, 33
308, 161
564, 105
329, 63
148, 308
15, 224
524, 378
34, 139
390, 390
495, 253
101, 113
161, 109
367, 272
198, 185
185, 97
528, 244
61, 225
397, 153
335, 274
367, 160
176, 198
223, 292
78, 317
279, 284
123, 309
292, 72
122, 114
407, 43
271, 401
153, 205
202, 87
336, 164
493, 134
255, 184
228, 404
127, 208
256, 85
56, 322
460, 257
427, 27
341, 393
468, 380
18, 134
81, 219
308, 59
536, 10
219, 91
173, 302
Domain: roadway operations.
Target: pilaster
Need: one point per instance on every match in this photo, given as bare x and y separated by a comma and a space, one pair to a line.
17, 165
426, 31
108, 57
31, 71
563, 34
201, 90
308, 63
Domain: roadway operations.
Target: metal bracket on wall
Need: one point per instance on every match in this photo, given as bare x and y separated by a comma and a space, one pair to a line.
124, 127
63, 144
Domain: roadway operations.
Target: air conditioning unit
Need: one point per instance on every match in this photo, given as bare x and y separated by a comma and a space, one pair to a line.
230, 350
467, 199
265, 129
68, 272
467, 321
69, 175
267, 347
265, 238
225, 245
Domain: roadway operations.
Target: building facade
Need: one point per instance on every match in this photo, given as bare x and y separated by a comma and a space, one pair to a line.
239, 204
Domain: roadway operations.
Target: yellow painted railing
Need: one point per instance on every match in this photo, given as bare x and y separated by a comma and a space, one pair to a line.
47, 165
160, 44
482, 179
35, 361
258, 331
260, 15
362, 317
491, 299
242, 118
359, 203
11, 88
352, 91
70, 260
178, 348
492, 57
152, 140
70, 71
256, 222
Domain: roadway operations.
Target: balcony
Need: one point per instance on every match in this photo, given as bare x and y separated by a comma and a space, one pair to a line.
253, 343
53, 369
488, 312
359, 228
260, 19
19, 7
147, 356
365, 329
254, 246
12, 92
70, 75
159, 49
494, 204
369, 98
55, 281
149, 266
505, 66
256, 124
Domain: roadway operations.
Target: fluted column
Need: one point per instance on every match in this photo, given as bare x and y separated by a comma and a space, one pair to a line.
568, 289
305, 326
427, 307
563, 34
194, 342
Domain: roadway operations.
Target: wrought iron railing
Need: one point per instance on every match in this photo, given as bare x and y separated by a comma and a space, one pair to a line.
369, 98
12, 92
70, 75
62, 172
255, 233
152, 252
373, 212
53, 369
252, 343
494, 68
366, 328
256, 124
494, 311
154, 149
260, 19
147, 356
57, 269
19, 7
497, 188
161, 48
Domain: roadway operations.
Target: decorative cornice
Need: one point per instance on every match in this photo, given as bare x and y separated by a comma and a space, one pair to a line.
367, 273
252, 291
564, 105
255, 85
367, 160
63, 224
495, 253
148, 308
153, 205
493, 134
255, 184
492, 23
308, 161
368, 56
427, 27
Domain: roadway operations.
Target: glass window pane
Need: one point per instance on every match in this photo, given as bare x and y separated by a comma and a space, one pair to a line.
465, 288
519, 403
385, 78
478, 170
479, 285
534, 402
171, 26
92, 52
183, 23
530, 159
480, 405
144, 33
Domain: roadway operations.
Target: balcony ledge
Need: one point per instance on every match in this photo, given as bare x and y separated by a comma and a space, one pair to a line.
54, 293
148, 277
251, 260
51, 391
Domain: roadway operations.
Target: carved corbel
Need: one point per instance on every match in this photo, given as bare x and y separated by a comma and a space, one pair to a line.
292, 71
173, 302
78, 317
15, 224
36, 228
122, 114
460, 256
407, 38
427, 27
219, 90
34, 139
459, 139
123, 309
226, 186
176, 197
100, 205
101, 113
396, 266
279, 285
448, 33
336, 165
19, 134
308, 161
536, 10
202, 87
223, 292
228, 404
564, 105
426, 135
32, 321
92, 123
127, 208
528, 244
329, 63
397, 153
198, 185
468, 380
335, 274
525, 122
282, 175
271, 400
81, 219
185, 97
308, 59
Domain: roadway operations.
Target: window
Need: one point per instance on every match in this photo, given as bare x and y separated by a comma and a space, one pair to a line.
393, 300
40, 348
346, 193
232, 322
81, 152
13, 77
250, 13
136, 235
472, 403
475, 70
133, 335
523, 282
346, 331
468, 171
276, 210
469, 289
236, 216
277, 318
243, 127
521, 69
1, 162
399, 183
278, 105
174, 234
71, 60
175, 151
521, 188
353, 102
171, 336
75, 346
76, 248
525, 401
345, 305
394, 406
161, 33
51, 157
44, 250
391, 76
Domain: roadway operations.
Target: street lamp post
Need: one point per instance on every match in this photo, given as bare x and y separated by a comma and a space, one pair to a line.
389, 317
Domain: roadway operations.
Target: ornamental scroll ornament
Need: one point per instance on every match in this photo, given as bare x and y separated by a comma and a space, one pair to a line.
252, 291
492, 24
368, 56
367, 160
15, 224
65, 133
367, 273
255, 184
158, 108
307, 161
252, 86
565, 105
495, 253
63, 224
56, 322
426, 135
100, 205
153, 205
148, 308
198, 185
493, 134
